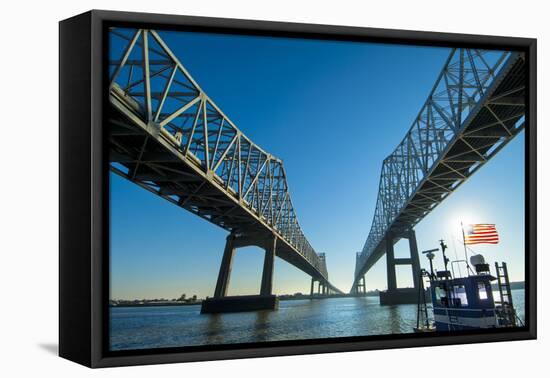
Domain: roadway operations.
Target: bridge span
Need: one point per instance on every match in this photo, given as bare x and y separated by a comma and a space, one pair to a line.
167, 136
476, 107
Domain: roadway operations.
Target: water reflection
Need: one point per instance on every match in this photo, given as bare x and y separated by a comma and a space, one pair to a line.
214, 329
394, 319
261, 325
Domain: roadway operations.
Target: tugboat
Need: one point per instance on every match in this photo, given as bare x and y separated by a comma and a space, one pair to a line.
462, 303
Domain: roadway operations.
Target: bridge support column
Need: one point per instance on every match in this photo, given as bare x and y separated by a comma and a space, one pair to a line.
225, 268
360, 289
395, 295
266, 300
390, 262
312, 291
267, 274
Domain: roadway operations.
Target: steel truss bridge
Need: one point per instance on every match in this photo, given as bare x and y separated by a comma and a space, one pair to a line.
475, 108
167, 136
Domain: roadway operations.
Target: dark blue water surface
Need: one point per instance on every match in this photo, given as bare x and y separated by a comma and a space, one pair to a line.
176, 326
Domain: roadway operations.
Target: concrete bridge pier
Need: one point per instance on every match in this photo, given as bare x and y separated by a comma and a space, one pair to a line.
321, 289
312, 290
224, 275
361, 289
266, 287
395, 295
221, 302
317, 290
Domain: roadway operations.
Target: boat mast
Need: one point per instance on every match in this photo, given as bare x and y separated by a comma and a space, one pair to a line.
465, 249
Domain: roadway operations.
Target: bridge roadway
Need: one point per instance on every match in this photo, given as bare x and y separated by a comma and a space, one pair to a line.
452, 138
168, 137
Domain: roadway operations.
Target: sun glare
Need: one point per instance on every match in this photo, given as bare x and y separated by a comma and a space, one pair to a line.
463, 218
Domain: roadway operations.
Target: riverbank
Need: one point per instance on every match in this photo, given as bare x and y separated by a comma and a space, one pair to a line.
520, 285
155, 304
284, 297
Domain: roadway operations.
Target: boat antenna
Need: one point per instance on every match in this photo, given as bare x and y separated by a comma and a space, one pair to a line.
443, 248
430, 255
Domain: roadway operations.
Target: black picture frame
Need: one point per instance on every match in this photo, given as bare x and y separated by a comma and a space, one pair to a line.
84, 192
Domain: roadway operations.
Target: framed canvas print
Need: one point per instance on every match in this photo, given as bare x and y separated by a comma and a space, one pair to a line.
233, 188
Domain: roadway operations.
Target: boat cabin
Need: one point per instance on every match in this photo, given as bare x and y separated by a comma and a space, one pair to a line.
463, 303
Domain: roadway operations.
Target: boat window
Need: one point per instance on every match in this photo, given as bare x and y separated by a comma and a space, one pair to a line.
482, 290
441, 295
460, 294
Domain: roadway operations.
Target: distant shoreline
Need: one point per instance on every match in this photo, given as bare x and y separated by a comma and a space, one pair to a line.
156, 304
518, 285
283, 297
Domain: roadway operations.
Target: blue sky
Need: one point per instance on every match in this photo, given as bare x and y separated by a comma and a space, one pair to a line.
332, 111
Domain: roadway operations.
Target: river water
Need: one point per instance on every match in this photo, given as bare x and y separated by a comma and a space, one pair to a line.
176, 326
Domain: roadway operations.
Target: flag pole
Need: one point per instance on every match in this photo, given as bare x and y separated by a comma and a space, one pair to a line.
465, 248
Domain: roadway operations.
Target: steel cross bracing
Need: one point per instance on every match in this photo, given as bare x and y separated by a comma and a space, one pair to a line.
474, 109
167, 136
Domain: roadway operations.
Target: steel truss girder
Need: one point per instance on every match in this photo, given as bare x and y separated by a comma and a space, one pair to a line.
474, 109
169, 137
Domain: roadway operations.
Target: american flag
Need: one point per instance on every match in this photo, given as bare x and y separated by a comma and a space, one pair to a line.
480, 233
